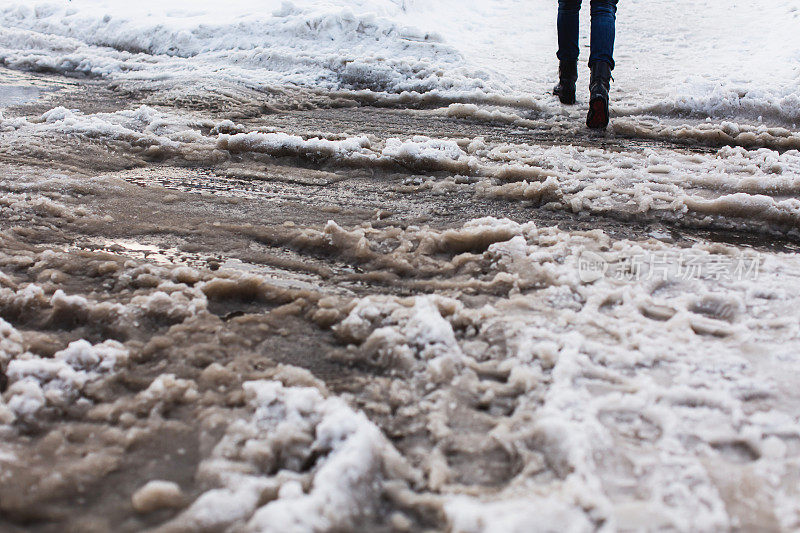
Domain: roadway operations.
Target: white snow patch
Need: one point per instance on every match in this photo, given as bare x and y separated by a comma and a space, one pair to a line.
36, 382
270, 450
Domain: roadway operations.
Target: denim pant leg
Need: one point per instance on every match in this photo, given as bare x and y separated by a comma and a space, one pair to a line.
603, 31
568, 11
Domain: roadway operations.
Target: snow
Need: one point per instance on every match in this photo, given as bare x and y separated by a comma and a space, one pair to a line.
284, 427
36, 382
157, 494
425, 336
586, 387
581, 388
330, 45
502, 52
10, 342
734, 188
601, 427
469, 515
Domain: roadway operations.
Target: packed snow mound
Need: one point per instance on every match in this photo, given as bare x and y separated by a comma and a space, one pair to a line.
192, 31
329, 45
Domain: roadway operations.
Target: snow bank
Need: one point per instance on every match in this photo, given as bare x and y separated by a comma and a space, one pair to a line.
331, 45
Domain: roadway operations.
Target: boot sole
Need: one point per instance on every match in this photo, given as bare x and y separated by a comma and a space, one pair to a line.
598, 114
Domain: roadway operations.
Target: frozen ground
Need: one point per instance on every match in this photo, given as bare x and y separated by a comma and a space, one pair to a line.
346, 266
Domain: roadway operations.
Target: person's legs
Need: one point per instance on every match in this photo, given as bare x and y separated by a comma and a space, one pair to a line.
603, 31
568, 17
568, 50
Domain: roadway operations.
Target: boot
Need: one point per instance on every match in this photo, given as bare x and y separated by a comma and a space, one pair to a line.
567, 76
599, 84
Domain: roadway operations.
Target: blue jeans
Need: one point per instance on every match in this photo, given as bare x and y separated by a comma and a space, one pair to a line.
604, 15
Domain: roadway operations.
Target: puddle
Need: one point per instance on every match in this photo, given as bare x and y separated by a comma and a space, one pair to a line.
170, 256
17, 94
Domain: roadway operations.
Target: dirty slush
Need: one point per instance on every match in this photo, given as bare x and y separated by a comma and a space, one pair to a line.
375, 304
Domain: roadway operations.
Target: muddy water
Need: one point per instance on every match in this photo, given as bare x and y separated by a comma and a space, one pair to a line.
295, 338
